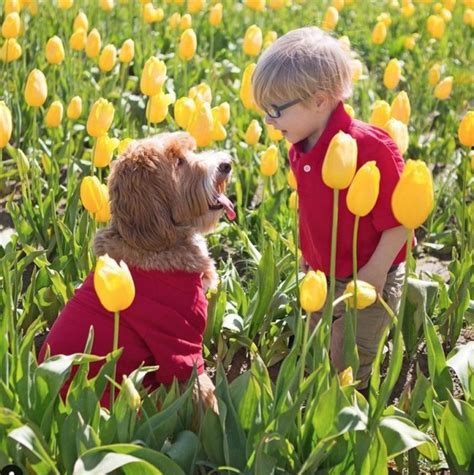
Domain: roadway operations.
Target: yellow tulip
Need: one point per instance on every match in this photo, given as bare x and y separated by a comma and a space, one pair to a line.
340, 162
201, 124
157, 107
74, 108
401, 109
100, 118
222, 112
293, 200
410, 41
269, 161
434, 74
11, 6
54, 50
187, 45
444, 88
330, 20
392, 74
106, 5
65, 4
246, 93
92, 194
174, 20
54, 115
366, 294
385, 18
202, 91
466, 130
273, 134
33, 7
449, 4
10, 50
6, 126
78, 40
413, 199
270, 38
123, 145
186, 21
469, 3
93, 44
218, 131
338, 4
127, 51
184, 109
132, 396
108, 58
346, 377
215, 15
356, 68
398, 131
104, 150
435, 26
81, 21
11, 25
149, 13
104, 214
468, 17
408, 10
350, 110
113, 284
276, 4
364, 189
379, 33
253, 132
292, 180
195, 6
381, 113
253, 40
153, 76
257, 5
36, 89
313, 291
446, 15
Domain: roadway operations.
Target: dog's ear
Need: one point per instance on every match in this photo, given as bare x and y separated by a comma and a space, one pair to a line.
141, 189
178, 144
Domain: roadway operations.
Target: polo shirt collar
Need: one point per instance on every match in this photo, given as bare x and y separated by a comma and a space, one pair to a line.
339, 120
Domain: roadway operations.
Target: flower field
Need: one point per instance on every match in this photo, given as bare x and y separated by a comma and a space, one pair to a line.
80, 80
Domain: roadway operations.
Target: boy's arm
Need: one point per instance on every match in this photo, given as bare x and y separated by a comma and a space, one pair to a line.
376, 270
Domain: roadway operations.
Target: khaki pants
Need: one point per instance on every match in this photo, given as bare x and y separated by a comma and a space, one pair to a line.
371, 322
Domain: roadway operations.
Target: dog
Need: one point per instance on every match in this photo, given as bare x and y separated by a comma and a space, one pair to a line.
163, 197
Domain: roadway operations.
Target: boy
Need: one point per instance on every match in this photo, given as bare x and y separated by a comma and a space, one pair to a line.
300, 82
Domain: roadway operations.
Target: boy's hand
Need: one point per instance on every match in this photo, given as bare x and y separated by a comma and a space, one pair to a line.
373, 276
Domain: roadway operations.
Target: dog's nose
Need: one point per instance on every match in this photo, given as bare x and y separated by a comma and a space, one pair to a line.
225, 167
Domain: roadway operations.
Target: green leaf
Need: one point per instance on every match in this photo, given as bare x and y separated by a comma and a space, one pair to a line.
184, 450
461, 360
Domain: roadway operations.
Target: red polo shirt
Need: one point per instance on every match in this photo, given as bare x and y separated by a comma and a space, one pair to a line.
163, 326
316, 199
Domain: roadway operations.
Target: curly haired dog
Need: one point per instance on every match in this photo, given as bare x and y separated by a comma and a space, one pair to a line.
163, 196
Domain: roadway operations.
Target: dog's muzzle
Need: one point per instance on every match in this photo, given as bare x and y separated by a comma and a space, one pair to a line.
219, 199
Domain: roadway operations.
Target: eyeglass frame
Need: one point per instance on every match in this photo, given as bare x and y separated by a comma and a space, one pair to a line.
279, 109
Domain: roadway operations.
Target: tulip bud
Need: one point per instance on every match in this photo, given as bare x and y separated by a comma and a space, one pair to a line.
346, 377
215, 15
253, 40
246, 93
331, 18
81, 21
10, 50
93, 44
257, 5
54, 50
292, 180
218, 131
104, 150
400, 109
153, 76
78, 40
65, 4
356, 69
92, 195
195, 6
108, 58
273, 134
253, 132
127, 51
74, 109
6, 126
276, 4
465, 131
36, 89
410, 41
350, 110
22, 163
366, 294
449, 4
33, 7
270, 38
104, 214
113, 284
379, 33
11, 6
443, 89
408, 10
392, 74
157, 107
100, 118
398, 131
131, 394
174, 20
468, 17
269, 161
435, 26
413, 199
222, 112
54, 115
106, 5
293, 200
385, 18
381, 113
340, 162
201, 124
184, 109
202, 91
364, 189
187, 45
186, 21
11, 25
123, 145
149, 13
434, 74
313, 291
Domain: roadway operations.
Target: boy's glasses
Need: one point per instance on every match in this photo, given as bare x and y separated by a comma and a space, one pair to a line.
275, 111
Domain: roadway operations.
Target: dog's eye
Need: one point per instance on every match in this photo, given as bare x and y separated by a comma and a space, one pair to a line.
179, 161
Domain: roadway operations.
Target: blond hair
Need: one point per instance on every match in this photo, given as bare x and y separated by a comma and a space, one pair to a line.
298, 65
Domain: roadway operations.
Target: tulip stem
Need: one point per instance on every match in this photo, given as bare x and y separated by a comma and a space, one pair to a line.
463, 209
342, 298
114, 348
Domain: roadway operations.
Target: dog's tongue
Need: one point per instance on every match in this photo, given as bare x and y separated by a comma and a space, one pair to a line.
228, 206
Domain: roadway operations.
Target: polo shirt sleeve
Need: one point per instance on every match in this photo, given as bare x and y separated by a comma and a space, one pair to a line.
391, 164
